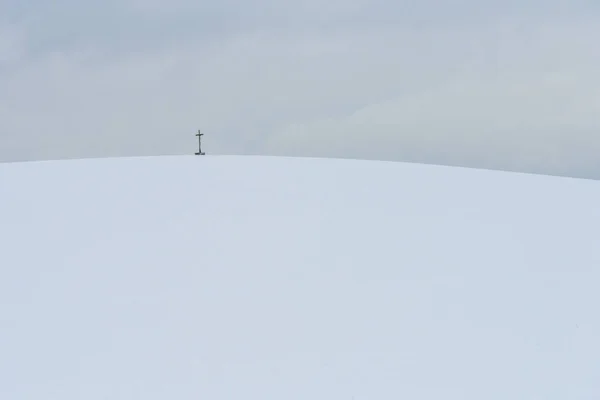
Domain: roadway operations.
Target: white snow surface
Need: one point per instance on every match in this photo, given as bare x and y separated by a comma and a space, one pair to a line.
232, 277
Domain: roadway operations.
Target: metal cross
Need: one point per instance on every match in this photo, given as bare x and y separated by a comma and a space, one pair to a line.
199, 153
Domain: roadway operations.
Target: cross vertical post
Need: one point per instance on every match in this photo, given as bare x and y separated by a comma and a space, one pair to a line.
199, 153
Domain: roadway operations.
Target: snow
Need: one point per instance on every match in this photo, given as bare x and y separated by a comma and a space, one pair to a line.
230, 277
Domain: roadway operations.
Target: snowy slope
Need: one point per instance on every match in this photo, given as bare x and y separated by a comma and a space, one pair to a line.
282, 278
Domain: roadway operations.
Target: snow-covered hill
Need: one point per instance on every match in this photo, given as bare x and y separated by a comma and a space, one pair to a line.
223, 277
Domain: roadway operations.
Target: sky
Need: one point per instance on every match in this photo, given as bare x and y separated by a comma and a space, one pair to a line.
255, 278
498, 84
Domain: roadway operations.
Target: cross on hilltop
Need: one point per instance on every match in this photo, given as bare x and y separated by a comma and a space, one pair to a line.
199, 153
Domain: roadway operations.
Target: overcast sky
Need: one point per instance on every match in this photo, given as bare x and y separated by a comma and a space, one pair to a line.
500, 84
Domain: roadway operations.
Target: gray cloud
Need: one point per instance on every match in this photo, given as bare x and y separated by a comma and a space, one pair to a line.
512, 85
532, 123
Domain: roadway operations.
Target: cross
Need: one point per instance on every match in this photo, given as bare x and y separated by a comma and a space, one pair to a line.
199, 153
